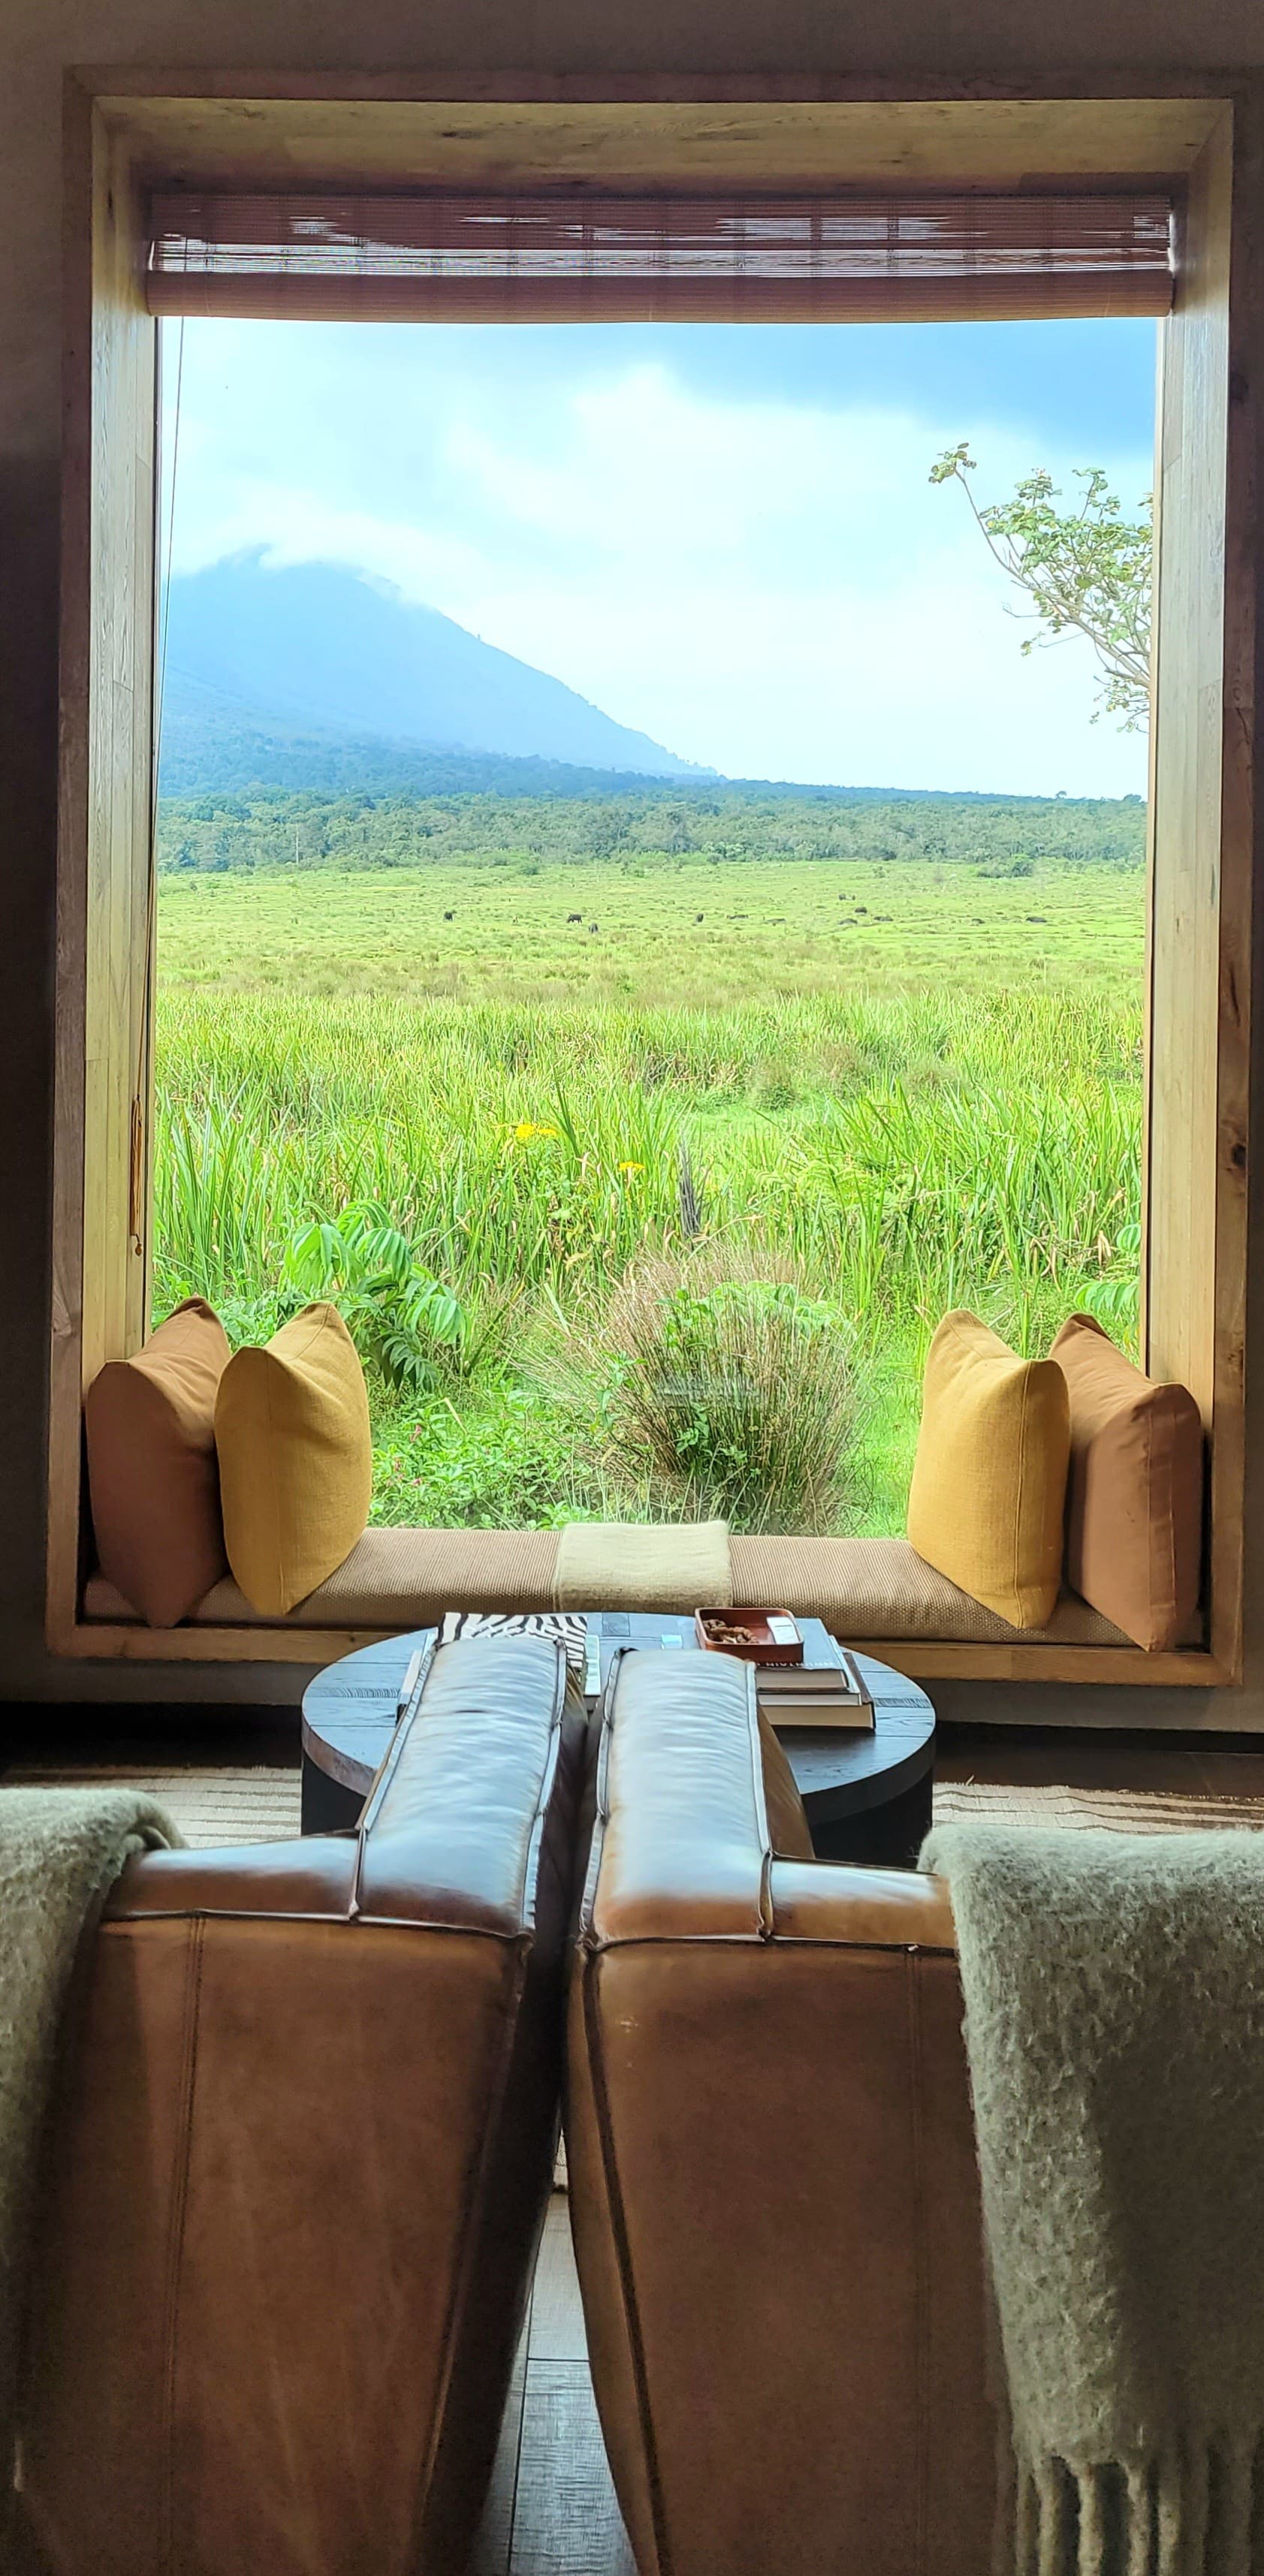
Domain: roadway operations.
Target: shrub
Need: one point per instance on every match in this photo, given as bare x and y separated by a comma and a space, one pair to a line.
399, 1315
505, 1461
731, 1382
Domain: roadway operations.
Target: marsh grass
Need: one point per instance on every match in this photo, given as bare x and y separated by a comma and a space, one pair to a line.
896, 1154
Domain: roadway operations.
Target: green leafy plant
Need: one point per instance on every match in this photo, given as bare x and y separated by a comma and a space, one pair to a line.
398, 1314
1087, 571
1113, 1298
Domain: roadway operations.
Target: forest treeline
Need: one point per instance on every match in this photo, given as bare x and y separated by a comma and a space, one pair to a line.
644, 825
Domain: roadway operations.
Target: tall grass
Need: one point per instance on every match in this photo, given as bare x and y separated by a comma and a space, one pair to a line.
923, 1151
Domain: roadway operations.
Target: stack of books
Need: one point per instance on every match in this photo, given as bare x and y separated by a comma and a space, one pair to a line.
826, 1689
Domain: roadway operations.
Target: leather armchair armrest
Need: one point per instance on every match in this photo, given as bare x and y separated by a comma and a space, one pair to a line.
308, 1879
869, 1909
438, 1843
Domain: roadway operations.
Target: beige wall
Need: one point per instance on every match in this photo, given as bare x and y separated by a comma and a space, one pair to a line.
471, 40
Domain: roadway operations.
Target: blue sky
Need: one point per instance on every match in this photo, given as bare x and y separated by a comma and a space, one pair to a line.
724, 536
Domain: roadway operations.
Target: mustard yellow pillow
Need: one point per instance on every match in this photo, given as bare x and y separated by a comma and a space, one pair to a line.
295, 1459
989, 1481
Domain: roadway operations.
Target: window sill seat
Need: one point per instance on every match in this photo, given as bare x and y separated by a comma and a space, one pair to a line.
873, 1592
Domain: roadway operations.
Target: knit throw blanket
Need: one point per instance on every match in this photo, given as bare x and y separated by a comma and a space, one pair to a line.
59, 1851
1114, 1989
665, 1565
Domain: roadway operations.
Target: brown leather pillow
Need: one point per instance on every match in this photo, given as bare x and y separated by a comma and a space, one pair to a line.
153, 1476
788, 1830
1135, 1491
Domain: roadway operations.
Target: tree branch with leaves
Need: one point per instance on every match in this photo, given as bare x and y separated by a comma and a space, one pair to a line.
1087, 571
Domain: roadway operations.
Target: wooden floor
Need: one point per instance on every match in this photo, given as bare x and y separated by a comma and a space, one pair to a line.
1209, 1766
552, 2509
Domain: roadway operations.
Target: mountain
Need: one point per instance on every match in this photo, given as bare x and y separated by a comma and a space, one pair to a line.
214, 744
315, 648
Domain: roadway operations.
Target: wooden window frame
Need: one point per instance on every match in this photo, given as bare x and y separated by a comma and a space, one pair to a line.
126, 133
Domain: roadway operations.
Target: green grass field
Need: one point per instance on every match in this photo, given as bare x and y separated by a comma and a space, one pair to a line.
688, 932
903, 1085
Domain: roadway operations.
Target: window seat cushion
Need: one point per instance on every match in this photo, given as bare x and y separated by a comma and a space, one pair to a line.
881, 1587
393, 1578
861, 1587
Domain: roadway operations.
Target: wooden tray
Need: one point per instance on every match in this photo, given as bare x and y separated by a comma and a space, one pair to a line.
748, 1635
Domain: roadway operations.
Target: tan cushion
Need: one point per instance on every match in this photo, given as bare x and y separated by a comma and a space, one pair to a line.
880, 1590
871, 1588
152, 1473
788, 1830
295, 1458
394, 1579
1134, 1524
989, 1480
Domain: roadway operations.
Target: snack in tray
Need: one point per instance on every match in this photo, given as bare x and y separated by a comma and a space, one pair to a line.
760, 1636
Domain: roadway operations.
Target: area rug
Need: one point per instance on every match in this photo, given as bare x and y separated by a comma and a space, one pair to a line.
210, 1806
260, 1804
1119, 1811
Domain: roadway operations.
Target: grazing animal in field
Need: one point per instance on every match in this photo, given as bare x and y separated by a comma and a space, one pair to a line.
574, 916
449, 916
592, 926
700, 916
1037, 916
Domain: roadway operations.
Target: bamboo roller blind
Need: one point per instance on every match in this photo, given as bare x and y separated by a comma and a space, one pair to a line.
602, 259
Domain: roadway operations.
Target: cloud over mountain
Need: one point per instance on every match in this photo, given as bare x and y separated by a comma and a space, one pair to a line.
319, 645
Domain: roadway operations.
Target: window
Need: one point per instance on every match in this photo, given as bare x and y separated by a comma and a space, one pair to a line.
1085, 245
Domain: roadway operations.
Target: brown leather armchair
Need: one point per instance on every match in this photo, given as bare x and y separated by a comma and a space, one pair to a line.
301, 2164
773, 2182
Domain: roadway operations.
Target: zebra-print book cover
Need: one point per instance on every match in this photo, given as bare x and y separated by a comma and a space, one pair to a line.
569, 1627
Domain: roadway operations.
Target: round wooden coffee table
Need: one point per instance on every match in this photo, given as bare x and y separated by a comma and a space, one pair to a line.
867, 1794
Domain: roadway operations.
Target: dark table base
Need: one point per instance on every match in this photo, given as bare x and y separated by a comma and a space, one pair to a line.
325, 1806
889, 1836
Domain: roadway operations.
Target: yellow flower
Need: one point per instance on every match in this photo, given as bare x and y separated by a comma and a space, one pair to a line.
527, 1128
630, 1168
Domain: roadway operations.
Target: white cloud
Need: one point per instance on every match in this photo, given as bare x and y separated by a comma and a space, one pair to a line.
771, 587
